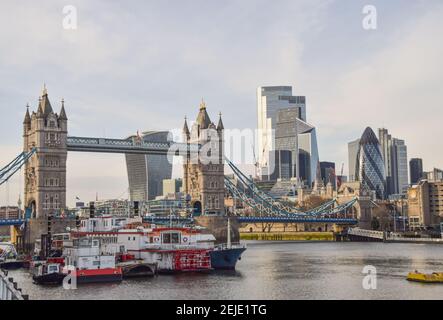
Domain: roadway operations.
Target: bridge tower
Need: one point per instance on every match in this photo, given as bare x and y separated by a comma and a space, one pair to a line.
203, 173
45, 172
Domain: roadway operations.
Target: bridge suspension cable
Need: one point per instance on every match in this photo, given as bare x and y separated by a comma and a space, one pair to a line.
11, 168
266, 205
249, 183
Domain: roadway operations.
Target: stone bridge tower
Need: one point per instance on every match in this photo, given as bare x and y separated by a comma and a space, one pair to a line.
45, 172
203, 173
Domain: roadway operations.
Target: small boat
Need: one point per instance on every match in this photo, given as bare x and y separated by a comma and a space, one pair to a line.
48, 273
92, 261
9, 259
435, 277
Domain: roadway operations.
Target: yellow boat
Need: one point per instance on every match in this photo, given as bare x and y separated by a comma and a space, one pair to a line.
435, 277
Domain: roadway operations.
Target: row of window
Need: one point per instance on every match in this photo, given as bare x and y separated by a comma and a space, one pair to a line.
54, 163
213, 202
213, 184
52, 182
51, 205
52, 136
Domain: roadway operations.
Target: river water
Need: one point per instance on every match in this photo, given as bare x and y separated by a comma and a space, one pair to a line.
280, 270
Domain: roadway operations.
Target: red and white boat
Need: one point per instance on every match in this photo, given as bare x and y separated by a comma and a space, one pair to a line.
84, 258
93, 261
171, 249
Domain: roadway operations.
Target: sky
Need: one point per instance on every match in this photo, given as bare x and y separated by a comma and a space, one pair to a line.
144, 65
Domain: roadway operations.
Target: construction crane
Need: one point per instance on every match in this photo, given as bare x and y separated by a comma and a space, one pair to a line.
255, 162
341, 176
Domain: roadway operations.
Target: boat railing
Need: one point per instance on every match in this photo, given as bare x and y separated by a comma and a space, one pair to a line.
234, 245
178, 246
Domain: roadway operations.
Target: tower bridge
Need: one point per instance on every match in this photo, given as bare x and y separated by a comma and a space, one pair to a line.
46, 146
132, 145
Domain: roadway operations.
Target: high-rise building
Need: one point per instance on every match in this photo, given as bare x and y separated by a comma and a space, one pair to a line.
353, 148
147, 172
370, 166
282, 126
395, 158
399, 156
298, 137
327, 170
385, 140
281, 161
416, 170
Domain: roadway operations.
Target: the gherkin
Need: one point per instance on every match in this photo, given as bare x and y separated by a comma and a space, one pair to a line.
370, 169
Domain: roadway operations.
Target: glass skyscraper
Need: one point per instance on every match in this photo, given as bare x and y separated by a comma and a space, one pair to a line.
416, 170
147, 172
353, 148
370, 167
395, 156
282, 126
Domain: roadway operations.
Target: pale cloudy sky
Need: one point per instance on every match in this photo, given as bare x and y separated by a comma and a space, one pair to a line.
143, 65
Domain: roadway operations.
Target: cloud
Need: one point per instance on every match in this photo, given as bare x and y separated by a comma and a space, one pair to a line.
397, 87
145, 66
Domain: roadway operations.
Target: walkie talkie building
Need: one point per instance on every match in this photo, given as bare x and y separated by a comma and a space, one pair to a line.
370, 168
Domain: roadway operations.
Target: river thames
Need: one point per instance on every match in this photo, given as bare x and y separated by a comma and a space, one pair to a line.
280, 270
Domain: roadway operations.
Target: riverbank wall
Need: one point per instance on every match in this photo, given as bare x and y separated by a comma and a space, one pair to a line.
288, 236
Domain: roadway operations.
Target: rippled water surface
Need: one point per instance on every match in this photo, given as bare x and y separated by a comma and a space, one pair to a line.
280, 270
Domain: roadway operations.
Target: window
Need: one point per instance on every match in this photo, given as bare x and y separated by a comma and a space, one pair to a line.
175, 237
166, 237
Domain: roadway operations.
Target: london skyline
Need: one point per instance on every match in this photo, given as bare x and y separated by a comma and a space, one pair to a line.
387, 77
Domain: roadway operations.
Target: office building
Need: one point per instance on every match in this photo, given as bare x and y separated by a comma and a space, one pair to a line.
399, 156
434, 175
395, 158
147, 172
270, 101
370, 167
353, 148
280, 165
416, 170
425, 204
327, 170
298, 137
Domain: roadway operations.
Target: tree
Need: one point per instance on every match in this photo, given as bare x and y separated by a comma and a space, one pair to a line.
375, 224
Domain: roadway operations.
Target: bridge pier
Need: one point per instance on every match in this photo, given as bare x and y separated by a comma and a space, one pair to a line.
217, 225
35, 228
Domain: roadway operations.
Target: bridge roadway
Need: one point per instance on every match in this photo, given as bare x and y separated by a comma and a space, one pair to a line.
11, 222
131, 146
264, 219
241, 219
